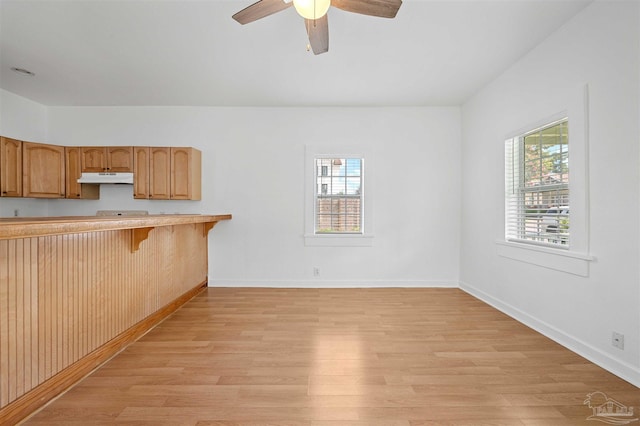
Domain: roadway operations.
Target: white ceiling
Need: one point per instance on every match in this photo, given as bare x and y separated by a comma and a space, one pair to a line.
92, 52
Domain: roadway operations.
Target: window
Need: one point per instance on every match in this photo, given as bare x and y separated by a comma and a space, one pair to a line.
560, 183
338, 195
338, 200
537, 186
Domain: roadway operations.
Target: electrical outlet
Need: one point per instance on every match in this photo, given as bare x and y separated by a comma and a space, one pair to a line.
316, 271
617, 340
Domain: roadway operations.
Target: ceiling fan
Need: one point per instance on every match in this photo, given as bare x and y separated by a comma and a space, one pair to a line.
314, 13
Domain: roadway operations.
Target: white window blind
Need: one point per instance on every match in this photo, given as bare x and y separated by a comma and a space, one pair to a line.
338, 198
537, 186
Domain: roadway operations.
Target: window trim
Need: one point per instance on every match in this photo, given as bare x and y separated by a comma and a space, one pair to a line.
575, 260
361, 239
548, 257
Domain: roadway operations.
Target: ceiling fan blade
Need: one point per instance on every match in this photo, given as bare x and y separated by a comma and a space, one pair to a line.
318, 31
260, 10
380, 8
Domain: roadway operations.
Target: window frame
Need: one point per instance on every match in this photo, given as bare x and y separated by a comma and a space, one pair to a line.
322, 192
574, 105
516, 190
351, 239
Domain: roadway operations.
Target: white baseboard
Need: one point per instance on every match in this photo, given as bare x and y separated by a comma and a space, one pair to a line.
333, 283
620, 368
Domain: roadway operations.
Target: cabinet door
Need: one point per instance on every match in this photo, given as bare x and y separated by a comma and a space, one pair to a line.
10, 168
180, 160
94, 159
120, 159
185, 174
43, 174
159, 173
141, 172
73, 169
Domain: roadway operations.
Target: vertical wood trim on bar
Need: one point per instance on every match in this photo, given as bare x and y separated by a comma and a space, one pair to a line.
4, 309
65, 297
12, 319
32, 283
19, 320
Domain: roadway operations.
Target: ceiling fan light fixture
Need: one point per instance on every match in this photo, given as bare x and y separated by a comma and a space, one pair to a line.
312, 9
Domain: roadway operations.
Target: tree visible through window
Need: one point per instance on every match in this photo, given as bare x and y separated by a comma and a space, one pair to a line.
338, 200
537, 185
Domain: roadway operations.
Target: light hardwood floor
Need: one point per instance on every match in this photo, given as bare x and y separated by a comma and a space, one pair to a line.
391, 357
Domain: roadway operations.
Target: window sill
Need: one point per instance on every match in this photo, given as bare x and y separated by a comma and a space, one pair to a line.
551, 258
338, 240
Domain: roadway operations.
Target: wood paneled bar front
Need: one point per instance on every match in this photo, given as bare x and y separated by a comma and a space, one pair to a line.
76, 290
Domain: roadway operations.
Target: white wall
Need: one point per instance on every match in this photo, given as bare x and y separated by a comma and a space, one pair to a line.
599, 48
253, 168
26, 120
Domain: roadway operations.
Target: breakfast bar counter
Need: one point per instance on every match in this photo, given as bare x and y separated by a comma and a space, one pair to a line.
76, 290
22, 227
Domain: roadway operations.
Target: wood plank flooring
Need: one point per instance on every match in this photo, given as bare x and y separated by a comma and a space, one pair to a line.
392, 357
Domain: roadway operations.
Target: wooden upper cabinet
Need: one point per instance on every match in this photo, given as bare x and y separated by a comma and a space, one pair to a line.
141, 172
94, 159
174, 173
120, 159
159, 173
10, 167
107, 159
185, 174
43, 170
36, 170
73, 169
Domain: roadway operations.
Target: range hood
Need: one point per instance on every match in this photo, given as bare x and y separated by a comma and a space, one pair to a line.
107, 177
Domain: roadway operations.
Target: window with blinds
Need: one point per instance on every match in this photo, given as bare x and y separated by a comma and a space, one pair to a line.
338, 199
537, 186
